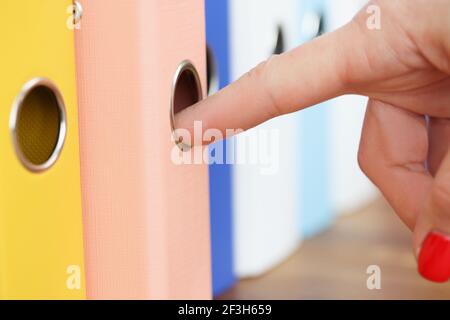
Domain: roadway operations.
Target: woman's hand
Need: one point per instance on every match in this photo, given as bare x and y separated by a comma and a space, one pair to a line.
404, 69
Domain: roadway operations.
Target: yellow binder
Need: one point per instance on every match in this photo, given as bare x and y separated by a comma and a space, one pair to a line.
41, 236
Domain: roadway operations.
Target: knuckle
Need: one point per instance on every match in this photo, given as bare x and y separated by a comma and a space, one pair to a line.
263, 78
257, 73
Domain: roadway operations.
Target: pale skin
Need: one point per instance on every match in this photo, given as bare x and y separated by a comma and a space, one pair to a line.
404, 69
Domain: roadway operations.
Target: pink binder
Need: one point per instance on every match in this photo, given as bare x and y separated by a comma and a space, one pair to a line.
146, 218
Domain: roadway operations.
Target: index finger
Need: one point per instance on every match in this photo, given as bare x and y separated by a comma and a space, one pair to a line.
305, 76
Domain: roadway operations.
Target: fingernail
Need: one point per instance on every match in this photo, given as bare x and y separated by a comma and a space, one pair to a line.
434, 258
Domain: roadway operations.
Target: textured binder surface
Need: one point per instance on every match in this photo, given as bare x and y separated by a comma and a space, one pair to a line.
316, 212
265, 205
217, 37
146, 219
351, 188
41, 237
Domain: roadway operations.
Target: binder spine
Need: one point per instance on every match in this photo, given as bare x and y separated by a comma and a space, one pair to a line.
147, 225
316, 212
41, 238
220, 175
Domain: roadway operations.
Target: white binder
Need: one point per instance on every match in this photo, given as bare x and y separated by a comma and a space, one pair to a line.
351, 189
266, 204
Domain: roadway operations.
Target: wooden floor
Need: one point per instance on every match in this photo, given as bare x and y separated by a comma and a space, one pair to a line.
333, 265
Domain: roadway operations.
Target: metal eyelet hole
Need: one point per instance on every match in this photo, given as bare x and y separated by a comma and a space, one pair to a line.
280, 46
38, 125
321, 29
212, 72
186, 91
77, 12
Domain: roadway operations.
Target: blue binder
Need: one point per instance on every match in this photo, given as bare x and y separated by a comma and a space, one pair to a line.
217, 36
316, 209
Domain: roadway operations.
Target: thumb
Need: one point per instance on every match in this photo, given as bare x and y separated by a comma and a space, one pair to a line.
432, 234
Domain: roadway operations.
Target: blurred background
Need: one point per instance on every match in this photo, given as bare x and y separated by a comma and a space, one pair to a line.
314, 228
333, 265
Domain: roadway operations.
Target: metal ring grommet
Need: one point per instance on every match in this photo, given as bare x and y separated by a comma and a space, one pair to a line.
280, 46
212, 72
61, 126
77, 12
185, 67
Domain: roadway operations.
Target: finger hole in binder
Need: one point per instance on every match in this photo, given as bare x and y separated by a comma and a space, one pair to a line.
77, 12
186, 92
212, 72
38, 125
280, 42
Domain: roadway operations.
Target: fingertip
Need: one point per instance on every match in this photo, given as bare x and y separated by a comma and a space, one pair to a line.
185, 118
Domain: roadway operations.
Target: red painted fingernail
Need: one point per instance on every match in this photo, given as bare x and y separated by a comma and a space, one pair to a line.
434, 258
